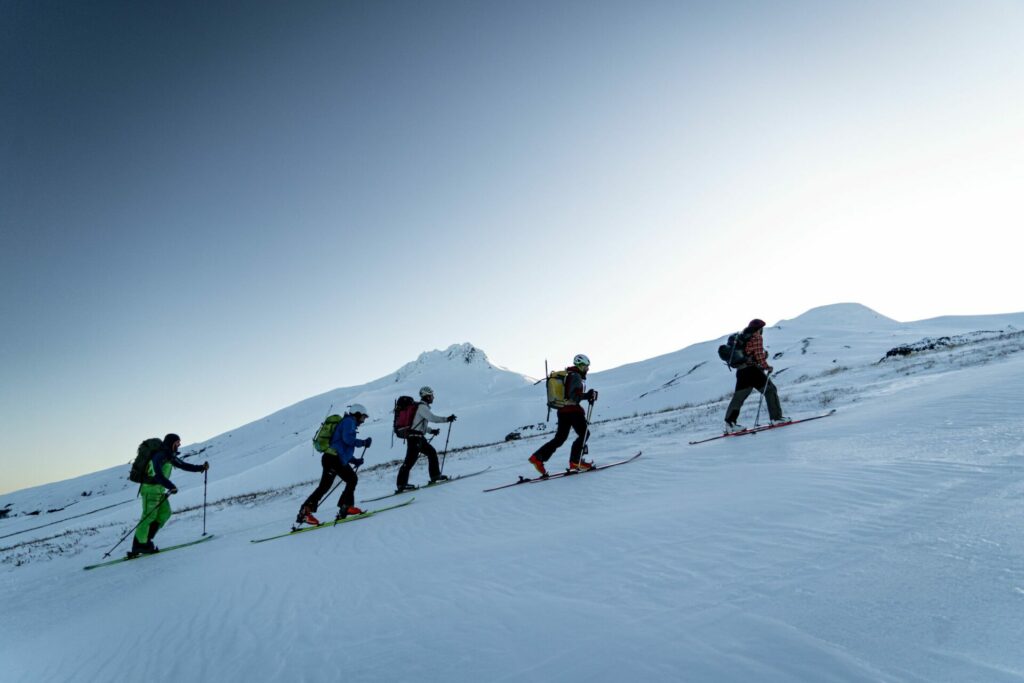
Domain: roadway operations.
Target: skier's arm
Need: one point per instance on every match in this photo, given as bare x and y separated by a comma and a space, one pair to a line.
348, 434
182, 465
429, 414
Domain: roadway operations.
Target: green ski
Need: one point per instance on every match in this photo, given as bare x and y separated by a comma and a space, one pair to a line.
353, 518
139, 557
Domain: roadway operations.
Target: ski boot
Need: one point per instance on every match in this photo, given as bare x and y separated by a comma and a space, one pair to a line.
136, 550
305, 516
404, 488
733, 427
344, 512
440, 477
581, 466
538, 464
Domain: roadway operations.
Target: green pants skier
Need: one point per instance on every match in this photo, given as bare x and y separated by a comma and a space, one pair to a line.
155, 492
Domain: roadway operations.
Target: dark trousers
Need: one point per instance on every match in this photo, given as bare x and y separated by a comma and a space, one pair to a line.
575, 420
414, 446
748, 379
333, 467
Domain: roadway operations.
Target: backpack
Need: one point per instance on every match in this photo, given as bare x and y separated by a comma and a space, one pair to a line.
556, 389
143, 455
405, 413
732, 351
322, 440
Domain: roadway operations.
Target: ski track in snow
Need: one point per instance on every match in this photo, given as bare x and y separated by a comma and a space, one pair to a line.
880, 544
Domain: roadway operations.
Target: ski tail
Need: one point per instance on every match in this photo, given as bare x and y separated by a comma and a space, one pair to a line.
763, 428
559, 475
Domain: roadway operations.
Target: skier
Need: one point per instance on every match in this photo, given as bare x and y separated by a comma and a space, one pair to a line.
751, 375
155, 491
337, 461
570, 416
416, 442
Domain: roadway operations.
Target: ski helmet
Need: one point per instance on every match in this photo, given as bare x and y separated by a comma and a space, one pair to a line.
426, 391
358, 409
581, 361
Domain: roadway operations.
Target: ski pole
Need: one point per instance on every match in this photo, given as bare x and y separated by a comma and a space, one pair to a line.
445, 454
757, 418
586, 432
548, 418
204, 500
154, 511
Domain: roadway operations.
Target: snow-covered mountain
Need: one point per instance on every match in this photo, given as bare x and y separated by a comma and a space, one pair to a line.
880, 544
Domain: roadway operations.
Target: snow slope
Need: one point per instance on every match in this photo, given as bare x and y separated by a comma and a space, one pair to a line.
880, 544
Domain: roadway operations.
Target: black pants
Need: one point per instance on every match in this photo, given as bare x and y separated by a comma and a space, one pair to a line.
333, 467
575, 420
748, 379
414, 446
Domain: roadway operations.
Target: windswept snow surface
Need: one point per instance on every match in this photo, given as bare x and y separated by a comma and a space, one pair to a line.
881, 544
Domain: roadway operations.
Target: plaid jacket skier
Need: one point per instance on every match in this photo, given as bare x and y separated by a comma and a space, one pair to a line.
755, 351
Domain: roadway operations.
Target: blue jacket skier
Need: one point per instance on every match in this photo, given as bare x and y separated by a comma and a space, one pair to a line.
338, 461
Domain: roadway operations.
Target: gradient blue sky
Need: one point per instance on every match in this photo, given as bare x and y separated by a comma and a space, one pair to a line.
209, 211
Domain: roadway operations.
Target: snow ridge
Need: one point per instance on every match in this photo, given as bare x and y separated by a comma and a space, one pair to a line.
880, 544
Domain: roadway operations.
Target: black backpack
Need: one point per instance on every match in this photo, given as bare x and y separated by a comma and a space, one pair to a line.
143, 455
732, 350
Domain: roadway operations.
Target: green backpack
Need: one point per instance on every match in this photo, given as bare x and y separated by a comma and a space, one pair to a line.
322, 440
143, 455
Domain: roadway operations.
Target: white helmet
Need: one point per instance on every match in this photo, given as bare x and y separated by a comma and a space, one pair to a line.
358, 409
581, 361
426, 391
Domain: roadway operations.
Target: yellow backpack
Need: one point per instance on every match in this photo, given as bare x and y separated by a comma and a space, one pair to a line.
556, 389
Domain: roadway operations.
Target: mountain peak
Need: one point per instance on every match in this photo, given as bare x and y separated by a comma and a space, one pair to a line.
464, 353
844, 315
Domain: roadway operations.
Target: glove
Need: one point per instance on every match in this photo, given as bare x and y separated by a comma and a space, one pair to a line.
435, 432
451, 418
367, 441
769, 368
358, 462
171, 491
592, 395
206, 466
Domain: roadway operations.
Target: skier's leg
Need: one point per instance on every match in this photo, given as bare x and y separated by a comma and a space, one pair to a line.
433, 466
326, 479
771, 397
151, 499
561, 434
732, 413
579, 425
351, 479
412, 454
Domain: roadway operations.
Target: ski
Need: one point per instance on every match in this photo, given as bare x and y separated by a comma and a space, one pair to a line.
764, 428
324, 525
566, 473
141, 556
427, 486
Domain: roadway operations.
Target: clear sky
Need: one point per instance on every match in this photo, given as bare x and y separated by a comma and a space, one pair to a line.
209, 211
